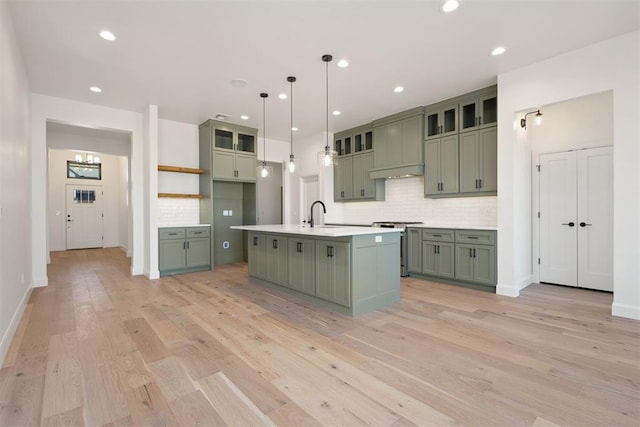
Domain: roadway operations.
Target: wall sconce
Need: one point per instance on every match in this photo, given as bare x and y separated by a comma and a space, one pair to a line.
523, 121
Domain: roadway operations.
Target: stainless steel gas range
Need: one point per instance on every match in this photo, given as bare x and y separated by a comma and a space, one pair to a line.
402, 225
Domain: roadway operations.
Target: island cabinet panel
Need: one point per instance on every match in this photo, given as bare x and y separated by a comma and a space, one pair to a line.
256, 255
302, 265
333, 272
276, 259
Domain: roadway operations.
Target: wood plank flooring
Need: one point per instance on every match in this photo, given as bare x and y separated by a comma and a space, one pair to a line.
98, 347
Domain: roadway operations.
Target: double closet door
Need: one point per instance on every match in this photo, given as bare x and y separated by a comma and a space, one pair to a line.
576, 218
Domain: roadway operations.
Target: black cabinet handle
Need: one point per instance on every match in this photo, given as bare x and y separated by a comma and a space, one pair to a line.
299, 246
435, 249
437, 235
184, 245
474, 252
470, 253
438, 248
330, 251
275, 244
479, 183
584, 224
571, 224
472, 237
172, 234
255, 241
188, 244
197, 232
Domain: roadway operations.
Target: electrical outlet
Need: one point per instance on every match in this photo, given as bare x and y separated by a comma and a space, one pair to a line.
378, 239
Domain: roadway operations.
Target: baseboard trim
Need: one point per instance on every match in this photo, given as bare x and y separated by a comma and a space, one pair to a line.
13, 326
40, 282
625, 310
151, 275
507, 291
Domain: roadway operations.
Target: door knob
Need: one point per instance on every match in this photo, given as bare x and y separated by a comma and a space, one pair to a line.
584, 224
571, 224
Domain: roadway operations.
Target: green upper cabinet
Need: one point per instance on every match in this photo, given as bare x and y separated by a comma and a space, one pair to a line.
479, 110
478, 161
398, 145
440, 120
441, 166
232, 149
351, 181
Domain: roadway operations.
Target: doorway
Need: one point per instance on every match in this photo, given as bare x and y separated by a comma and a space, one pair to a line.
84, 216
576, 218
309, 192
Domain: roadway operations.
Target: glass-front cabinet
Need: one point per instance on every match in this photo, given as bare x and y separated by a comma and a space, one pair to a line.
479, 111
232, 148
441, 120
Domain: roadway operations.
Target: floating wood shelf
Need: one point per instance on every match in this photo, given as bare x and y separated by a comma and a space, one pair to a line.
165, 168
180, 196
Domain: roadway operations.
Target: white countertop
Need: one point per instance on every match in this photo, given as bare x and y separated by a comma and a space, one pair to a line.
455, 227
325, 231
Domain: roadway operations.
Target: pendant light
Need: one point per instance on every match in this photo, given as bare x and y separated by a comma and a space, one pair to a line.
292, 161
263, 170
327, 157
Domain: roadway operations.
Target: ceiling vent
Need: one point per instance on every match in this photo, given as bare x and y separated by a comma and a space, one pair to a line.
221, 116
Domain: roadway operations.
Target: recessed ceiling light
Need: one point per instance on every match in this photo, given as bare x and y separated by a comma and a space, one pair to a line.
107, 35
450, 5
398, 89
95, 89
282, 96
336, 113
243, 117
238, 82
343, 63
498, 51
294, 128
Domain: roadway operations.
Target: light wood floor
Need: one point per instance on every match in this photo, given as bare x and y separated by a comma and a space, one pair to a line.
99, 347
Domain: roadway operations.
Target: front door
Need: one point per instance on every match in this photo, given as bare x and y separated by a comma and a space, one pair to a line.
576, 218
84, 216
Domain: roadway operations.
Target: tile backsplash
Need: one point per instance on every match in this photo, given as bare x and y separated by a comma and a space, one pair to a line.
405, 201
178, 212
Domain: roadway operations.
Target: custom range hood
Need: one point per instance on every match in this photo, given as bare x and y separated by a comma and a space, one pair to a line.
405, 171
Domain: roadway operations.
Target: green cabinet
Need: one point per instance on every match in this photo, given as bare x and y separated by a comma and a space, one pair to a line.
476, 256
478, 161
441, 166
441, 120
233, 150
438, 252
276, 254
183, 250
302, 262
414, 249
333, 278
398, 145
479, 110
351, 181
257, 255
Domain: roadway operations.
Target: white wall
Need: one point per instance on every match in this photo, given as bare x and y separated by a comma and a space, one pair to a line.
15, 183
150, 190
46, 108
609, 65
111, 183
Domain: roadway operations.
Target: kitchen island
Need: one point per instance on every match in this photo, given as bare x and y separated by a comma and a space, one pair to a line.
352, 270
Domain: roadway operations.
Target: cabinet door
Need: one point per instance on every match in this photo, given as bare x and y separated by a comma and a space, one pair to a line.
276, 260
257, 263
469, 154
332, 275
469, 113
363, 186
488, 164
302, 261
464, 262
449, 165
245, 167
445, 260
414, 245
411, 141
484, 258
488, 110
343, 179
380, 159
394, 143
198, 252
223, 165
449, 120
429, 258
246, 143
432, 167
172, 254
223, 139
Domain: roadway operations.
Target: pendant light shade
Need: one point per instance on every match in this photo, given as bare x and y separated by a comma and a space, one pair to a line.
292, 159
327, 157
263, 170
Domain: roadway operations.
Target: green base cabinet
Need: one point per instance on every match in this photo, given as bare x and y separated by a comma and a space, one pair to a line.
184, 250
302, 265
351, 275
276, 260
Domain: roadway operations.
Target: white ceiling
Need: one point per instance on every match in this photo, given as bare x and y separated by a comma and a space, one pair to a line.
181, 55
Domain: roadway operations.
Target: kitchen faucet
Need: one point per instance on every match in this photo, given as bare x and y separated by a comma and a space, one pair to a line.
324, 209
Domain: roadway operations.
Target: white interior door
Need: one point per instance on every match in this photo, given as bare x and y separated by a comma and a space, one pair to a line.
595, 218
84, 216
309, 192
576, 218
558, 229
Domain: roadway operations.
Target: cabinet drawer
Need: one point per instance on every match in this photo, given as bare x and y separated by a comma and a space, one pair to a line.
172, 233
198, 232
481, 237
438, 234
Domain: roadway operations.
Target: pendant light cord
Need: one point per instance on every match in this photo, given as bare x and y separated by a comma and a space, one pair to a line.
291, 149
327, 86
264, 132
